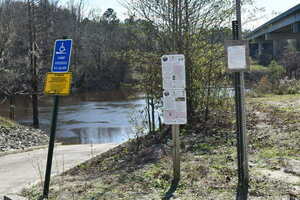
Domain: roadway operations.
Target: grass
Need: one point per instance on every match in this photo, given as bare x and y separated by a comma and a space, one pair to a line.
272, 97
259, 68
7, 123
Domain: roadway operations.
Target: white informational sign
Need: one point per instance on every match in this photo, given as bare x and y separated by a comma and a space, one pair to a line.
237, 57
175, 111
173, 71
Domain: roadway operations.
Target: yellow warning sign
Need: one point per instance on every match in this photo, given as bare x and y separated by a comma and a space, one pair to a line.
58, 83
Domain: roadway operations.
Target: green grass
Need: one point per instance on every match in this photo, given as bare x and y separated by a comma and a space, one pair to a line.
273, 97
7, 123
259, 68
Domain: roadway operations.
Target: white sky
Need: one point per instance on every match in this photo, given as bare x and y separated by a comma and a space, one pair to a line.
272, 8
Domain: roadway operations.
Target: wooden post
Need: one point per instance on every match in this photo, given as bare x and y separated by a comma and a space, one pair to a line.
176, 153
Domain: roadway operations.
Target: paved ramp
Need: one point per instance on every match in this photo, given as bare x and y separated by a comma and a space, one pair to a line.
22, 169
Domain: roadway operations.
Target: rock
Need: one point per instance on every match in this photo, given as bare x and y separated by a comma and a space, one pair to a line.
295, 191
66, 195
20, 137
14, 197
292, 166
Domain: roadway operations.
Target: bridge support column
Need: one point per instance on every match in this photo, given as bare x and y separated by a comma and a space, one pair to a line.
296, 27
260, 48
298, 45
275, 48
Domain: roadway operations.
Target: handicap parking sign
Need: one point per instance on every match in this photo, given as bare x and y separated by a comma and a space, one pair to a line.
61, 56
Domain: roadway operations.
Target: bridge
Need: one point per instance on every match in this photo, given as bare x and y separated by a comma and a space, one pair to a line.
268, 37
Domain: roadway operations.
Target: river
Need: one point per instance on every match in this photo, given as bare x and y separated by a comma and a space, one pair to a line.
85, 118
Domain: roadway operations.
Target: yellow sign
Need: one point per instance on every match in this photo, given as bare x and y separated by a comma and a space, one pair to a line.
58, 83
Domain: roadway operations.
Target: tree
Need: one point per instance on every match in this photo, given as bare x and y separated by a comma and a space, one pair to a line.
185, 26
110, 17
290, 59
11, 84
148, 66
33, 53
12, 79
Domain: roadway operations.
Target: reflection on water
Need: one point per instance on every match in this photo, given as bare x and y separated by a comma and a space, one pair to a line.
97, 135
85, 118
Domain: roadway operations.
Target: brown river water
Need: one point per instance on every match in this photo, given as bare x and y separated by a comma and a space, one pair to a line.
85, 118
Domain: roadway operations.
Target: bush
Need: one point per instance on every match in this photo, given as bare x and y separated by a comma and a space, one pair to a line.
265, 59
270, 80
264, 86
276, 72
288, 87
257, 72
258, 68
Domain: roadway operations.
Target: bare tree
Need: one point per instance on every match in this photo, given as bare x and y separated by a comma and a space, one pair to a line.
181, 24
33, 52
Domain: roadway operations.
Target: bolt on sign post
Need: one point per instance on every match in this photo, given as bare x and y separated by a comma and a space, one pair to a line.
174, 100
237, 52
57, 83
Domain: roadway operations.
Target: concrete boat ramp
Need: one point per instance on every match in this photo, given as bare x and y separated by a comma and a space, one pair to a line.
20, 170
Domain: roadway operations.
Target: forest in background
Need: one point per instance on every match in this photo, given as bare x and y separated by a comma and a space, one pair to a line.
99, 61
109, 53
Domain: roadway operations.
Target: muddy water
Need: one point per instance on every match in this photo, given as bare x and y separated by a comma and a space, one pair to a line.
85, 118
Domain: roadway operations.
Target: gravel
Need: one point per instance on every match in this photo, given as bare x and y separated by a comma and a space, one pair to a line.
20, 137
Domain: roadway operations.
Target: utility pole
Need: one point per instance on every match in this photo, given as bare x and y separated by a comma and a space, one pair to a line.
242, 143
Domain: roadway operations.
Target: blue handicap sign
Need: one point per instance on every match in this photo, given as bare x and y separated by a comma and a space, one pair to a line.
61, 56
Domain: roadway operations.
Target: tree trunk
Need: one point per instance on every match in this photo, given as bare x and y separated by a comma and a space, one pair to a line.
153, 114
34, 78
12, 107
148, 114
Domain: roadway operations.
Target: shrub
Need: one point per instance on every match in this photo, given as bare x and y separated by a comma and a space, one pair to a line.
265, 59
258, 68
287, 87
263, 86
276, 72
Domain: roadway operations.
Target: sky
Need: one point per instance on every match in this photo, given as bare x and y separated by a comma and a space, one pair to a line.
272, 8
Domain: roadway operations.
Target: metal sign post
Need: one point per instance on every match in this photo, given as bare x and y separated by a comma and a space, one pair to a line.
237, 52
57, 83
175, 111
242, 143
51, 147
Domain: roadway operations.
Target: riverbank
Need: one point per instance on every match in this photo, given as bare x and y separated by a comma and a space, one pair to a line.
208, 168
15, 137
84, 118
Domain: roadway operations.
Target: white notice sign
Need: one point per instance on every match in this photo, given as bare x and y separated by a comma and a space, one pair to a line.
175, 111
237, 57
173, 71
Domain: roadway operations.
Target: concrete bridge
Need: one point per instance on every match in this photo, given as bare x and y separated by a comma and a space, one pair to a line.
271, 36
